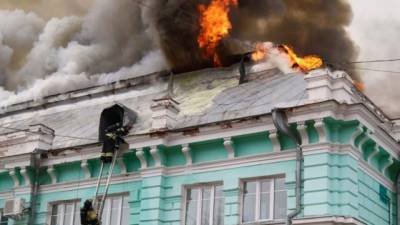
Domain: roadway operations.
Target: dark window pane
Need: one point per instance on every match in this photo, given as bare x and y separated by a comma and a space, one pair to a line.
279, 184
205, 207
249, 201
191, 206
280, 205
218, 206
265, 206
265, 186
125, 211
116, 210
250, 187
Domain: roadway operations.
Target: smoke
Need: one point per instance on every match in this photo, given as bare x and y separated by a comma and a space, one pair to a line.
40, 58
112, 40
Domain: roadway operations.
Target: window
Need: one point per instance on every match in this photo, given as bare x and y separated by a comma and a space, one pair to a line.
204, 205
65, 213
116, 210
263, 200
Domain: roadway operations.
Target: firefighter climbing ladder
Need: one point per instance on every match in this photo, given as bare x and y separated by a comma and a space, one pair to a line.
99, 206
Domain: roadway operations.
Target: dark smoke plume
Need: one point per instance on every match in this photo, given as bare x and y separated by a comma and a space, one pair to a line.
309, 26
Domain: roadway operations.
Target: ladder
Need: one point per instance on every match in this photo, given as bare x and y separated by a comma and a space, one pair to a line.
99, 205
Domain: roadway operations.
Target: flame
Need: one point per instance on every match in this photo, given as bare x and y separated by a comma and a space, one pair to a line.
305, 63
215, 25
259, 53
359, 85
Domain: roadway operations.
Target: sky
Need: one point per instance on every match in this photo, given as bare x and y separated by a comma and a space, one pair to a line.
375, 30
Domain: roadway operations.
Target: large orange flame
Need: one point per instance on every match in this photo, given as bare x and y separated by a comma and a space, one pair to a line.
215, 25
305, 63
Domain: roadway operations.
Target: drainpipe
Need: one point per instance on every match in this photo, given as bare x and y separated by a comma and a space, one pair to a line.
299, 159
35, 157
280, 121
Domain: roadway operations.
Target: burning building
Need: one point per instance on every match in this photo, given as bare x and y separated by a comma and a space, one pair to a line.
235, 132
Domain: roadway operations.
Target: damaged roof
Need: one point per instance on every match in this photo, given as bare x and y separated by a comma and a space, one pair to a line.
204, 96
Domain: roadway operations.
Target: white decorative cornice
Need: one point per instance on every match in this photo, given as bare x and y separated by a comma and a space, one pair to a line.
52, 173
273, 137
186, 153
25, 175
374, 153
228, 144
359, 130
389, 162
85, 169
302, 128
321, 129
141, 157
156, 155
14, 177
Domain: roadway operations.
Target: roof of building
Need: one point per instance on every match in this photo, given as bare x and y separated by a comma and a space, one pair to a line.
204, 97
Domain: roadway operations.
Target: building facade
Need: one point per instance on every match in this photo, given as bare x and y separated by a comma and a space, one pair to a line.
204, 151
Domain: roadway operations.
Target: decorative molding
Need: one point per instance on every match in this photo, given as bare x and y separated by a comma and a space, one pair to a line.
329, 220
273, 137
156, 156
359, 130
363, 141
25, 175
321, 129
14, 177
186, 153
85, 169
140, 155
302, 128
373, 154
52, 173
387, 165
228, 143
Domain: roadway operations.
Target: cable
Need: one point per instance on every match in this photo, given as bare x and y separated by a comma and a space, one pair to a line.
56, 135
377, 70
374, 61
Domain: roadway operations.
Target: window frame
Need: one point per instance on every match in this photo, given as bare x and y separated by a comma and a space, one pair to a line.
51, 205
199, 209
257, 216
121, 195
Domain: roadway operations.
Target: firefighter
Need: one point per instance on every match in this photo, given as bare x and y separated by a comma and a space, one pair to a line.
88, 214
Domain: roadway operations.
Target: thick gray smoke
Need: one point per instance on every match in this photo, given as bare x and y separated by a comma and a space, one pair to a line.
116, 39
310, 26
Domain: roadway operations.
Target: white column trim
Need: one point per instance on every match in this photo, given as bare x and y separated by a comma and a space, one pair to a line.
273, 136
302, 128
85, 169
24, 173
156, 155
52, 173
321, 129
140, 155
186, 153
14, 177
228, 144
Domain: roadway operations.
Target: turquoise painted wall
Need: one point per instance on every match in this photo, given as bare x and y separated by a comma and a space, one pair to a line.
333, 183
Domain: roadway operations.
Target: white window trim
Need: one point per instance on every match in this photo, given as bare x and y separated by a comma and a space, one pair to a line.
258, 202
112, 196
51, 204
199, 203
